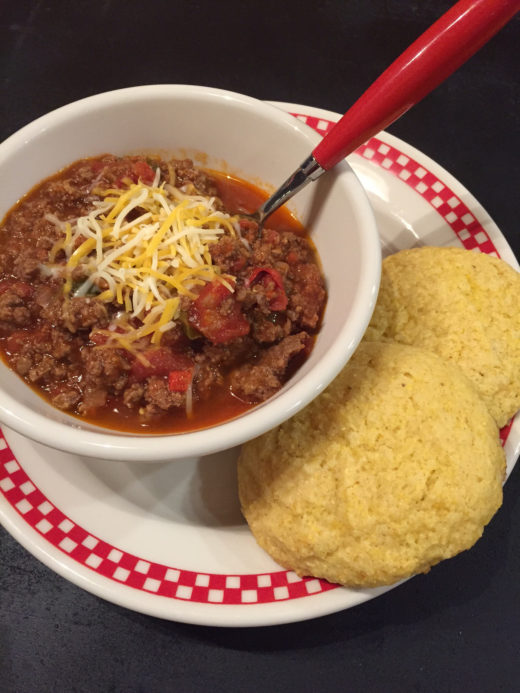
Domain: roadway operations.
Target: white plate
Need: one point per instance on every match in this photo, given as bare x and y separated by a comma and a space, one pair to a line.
168, 539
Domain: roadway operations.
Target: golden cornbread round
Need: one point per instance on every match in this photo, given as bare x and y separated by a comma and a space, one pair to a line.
396, 466
462, 305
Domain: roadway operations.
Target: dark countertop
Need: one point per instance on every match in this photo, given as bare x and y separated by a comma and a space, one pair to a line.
455, 629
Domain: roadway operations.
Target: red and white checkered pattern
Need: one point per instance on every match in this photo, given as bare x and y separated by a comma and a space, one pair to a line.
154, 578
125, 568
445, 202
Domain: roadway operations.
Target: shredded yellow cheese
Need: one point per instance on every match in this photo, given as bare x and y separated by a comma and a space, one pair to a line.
144, 247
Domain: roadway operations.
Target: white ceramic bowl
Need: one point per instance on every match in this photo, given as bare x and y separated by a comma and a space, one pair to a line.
243, 136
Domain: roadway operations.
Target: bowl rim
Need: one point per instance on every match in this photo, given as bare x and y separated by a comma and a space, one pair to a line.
144, 447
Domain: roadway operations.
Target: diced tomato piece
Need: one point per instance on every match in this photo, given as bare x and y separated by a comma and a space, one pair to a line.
212, 296
179, 381
136, 171
161, 361
21, 289
143, 171
272, 283
218, 315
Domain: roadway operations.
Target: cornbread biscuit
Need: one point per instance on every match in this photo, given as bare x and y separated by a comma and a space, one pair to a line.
462, 305
396, 466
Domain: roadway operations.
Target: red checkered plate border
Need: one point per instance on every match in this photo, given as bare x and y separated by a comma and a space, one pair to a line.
71, 547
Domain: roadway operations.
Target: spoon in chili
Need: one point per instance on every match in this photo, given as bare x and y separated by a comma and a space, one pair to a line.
439, 51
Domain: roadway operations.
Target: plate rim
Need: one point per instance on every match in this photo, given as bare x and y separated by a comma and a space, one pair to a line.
485, 219
255, 614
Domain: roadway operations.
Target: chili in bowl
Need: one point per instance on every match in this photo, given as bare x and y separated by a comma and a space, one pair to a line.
142, 315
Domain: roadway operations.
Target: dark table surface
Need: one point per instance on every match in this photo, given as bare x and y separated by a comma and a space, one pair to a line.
455, 629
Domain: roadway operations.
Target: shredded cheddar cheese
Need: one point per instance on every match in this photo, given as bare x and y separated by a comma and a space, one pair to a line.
144, 247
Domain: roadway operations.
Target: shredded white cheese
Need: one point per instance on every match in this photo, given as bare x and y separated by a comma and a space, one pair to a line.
144, 247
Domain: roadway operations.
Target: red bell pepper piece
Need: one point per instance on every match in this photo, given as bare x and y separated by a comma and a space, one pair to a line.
179, 381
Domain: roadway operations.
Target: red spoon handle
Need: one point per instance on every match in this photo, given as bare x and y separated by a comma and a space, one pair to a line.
446, 45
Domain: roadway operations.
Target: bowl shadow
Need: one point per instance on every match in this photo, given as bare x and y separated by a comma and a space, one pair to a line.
196, 491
